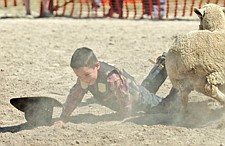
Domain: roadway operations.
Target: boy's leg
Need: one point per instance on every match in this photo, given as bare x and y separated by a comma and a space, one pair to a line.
156, 76
152, 83
147, 99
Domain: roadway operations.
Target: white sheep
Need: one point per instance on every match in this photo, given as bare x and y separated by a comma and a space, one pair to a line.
196, 60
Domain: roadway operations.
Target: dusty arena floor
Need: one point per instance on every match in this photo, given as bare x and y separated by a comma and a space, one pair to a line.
34, 61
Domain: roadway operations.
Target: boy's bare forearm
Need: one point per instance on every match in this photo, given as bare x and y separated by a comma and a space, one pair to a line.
73, 100
69, 107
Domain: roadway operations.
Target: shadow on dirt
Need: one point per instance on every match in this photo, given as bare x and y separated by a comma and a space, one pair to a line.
92, 119
16, 128
199, 115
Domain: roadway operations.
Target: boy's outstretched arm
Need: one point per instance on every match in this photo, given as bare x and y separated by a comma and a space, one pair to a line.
73, 100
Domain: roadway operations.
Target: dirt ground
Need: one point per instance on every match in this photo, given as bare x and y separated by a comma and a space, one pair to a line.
34, 61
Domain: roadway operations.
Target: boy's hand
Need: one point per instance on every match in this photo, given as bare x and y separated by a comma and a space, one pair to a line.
58, 121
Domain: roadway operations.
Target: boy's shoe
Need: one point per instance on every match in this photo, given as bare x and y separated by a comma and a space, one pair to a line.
156, 76
167, 105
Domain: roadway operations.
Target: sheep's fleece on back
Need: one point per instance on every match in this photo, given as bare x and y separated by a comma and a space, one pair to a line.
200, 53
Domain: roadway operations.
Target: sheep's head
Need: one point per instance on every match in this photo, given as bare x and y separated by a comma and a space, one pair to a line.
211, 16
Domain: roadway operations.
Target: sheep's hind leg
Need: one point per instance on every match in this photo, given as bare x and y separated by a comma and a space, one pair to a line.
185, 89
181, 116
184, 100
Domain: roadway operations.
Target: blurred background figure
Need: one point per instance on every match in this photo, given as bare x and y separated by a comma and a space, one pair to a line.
116, 6
156, 7
96, 4
45, 5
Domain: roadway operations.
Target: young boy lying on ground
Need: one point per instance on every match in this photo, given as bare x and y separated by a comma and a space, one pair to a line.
110, 86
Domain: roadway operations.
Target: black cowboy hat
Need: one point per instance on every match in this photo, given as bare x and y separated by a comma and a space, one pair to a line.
38, 110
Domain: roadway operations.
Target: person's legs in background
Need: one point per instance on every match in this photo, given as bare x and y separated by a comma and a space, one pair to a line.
27, 7
45, 11
95, 4
45, 5
146, 7
120, 9
116, 6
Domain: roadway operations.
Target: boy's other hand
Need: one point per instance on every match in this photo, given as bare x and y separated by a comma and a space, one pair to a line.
58, 122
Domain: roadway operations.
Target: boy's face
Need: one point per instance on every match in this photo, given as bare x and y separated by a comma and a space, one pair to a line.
87, 74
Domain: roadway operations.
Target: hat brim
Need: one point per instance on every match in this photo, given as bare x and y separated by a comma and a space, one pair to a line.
24, 103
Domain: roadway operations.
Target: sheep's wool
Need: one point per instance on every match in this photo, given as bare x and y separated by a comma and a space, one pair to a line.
195, 60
